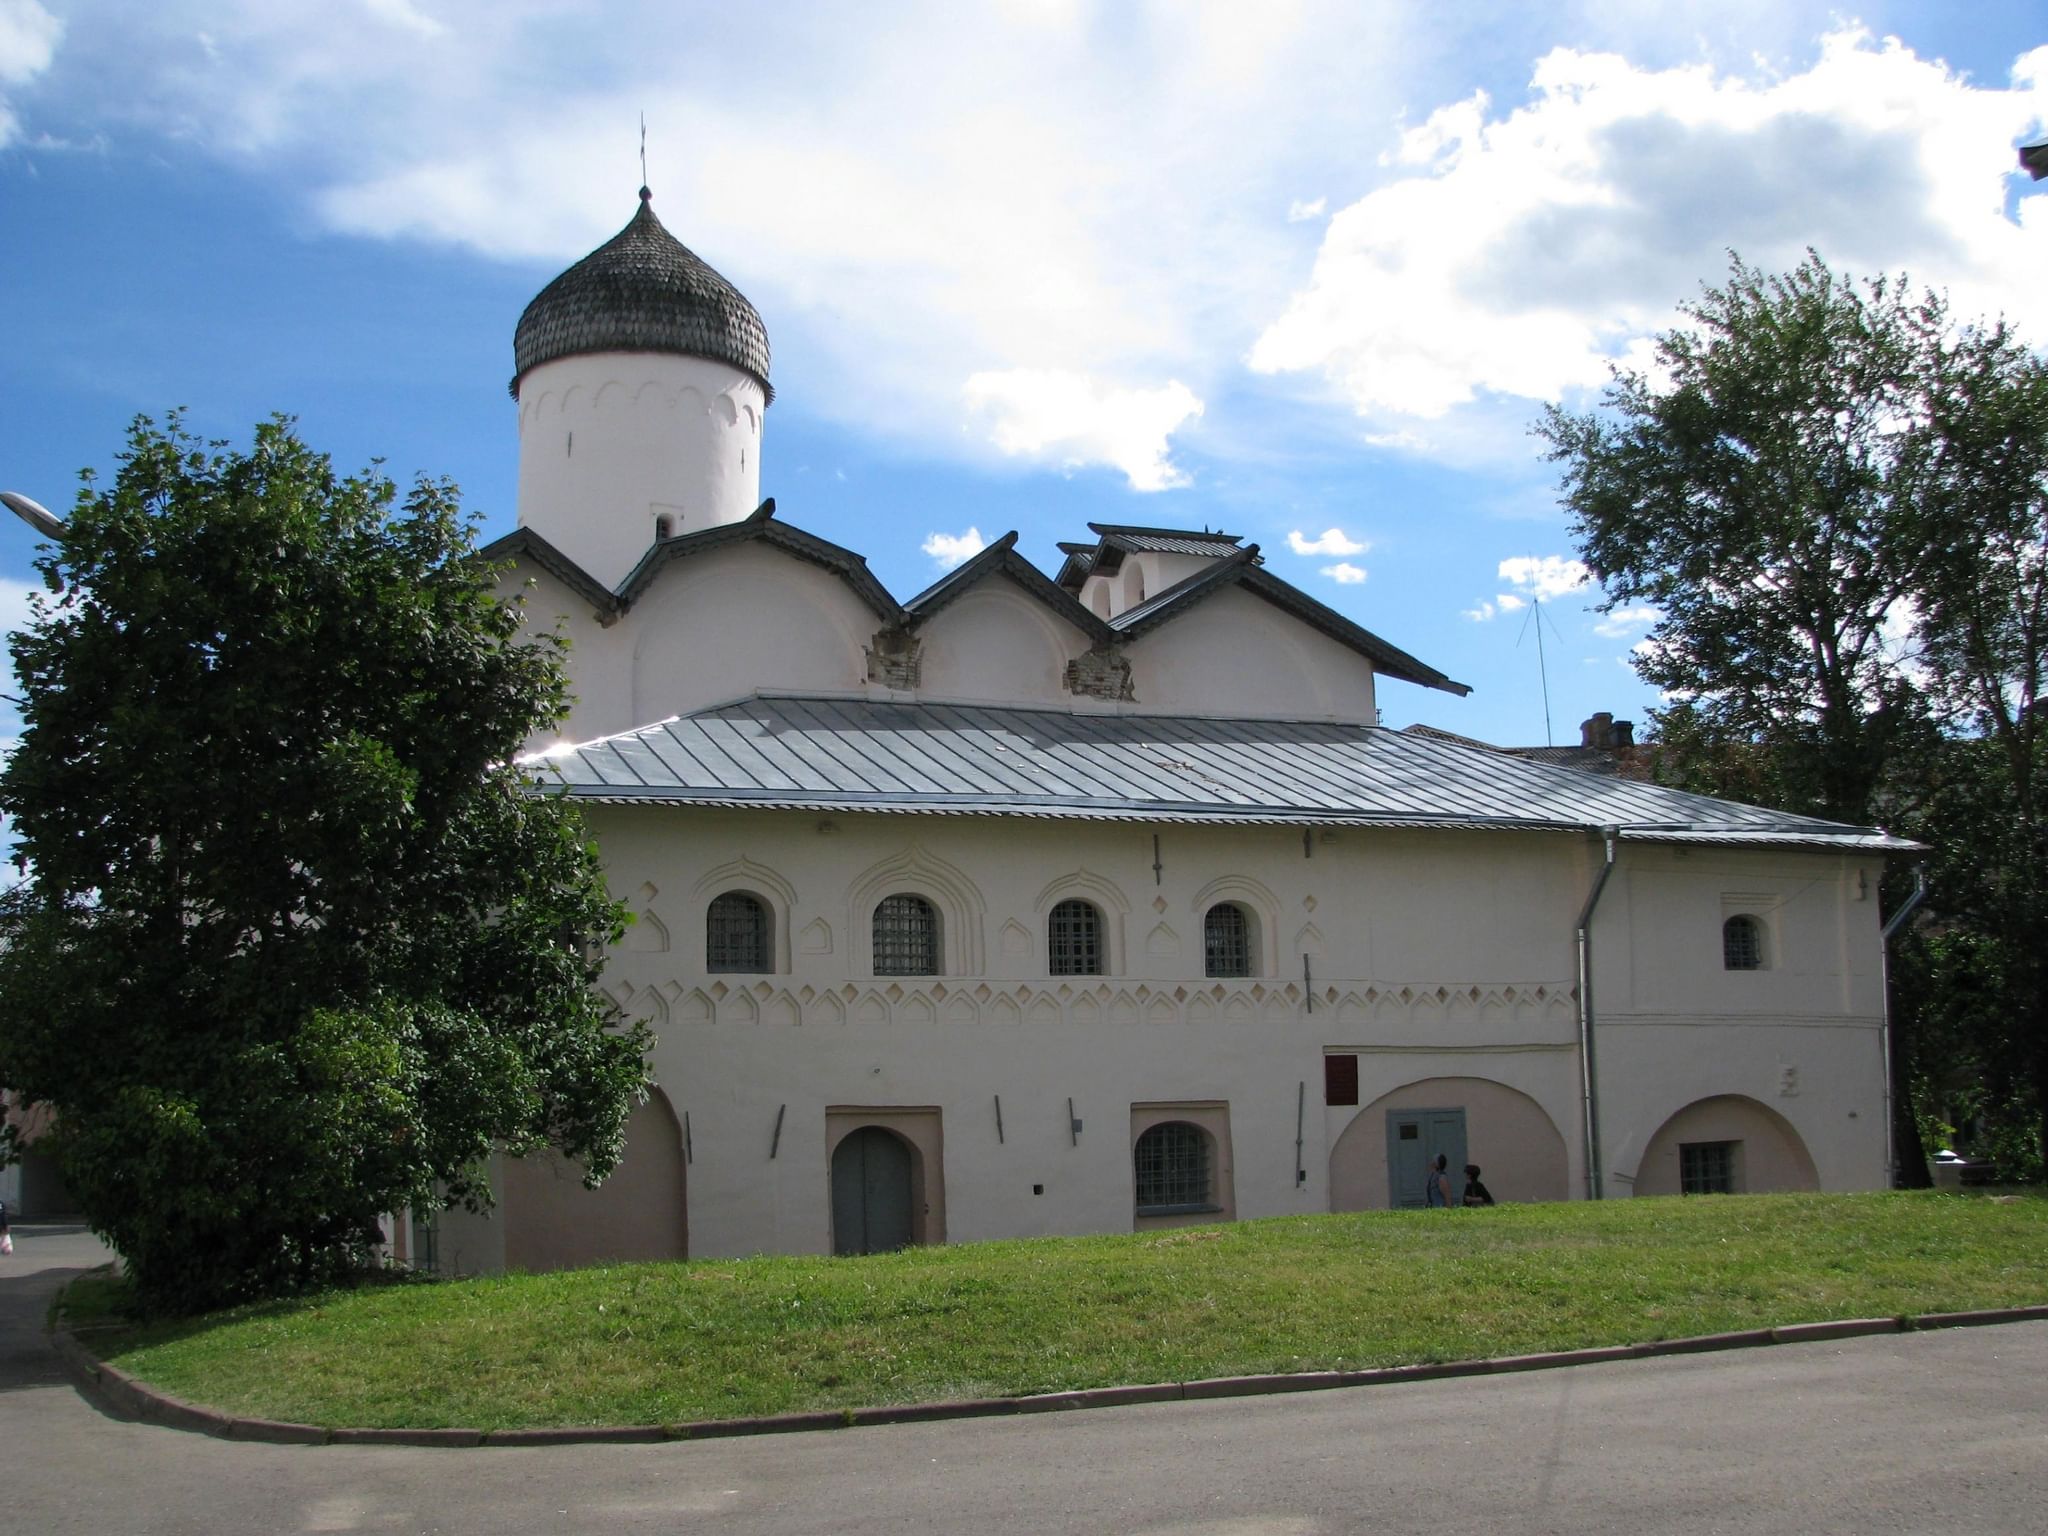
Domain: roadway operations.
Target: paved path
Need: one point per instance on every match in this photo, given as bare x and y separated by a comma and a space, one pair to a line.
1913, 1432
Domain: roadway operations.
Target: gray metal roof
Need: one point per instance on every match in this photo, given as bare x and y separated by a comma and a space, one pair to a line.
643, 290
1167, 541
836, 754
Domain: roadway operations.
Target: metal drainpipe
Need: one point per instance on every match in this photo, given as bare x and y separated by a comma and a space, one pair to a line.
1884, 977
1594, 1190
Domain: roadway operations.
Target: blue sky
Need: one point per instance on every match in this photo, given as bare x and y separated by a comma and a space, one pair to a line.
1304, 272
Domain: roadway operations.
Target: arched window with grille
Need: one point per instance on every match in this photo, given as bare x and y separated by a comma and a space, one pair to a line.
1073, 939
1173, 1174
906, 936
1742, 943
736, 936
1227, 941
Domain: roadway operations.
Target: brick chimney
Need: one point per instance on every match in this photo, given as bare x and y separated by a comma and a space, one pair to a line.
1598, 731
1624, 734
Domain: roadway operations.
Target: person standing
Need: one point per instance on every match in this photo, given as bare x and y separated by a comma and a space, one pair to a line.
6, 1237
1436, 1192
1476, 1193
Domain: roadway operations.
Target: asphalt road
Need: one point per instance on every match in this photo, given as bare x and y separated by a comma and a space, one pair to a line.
1943, 1431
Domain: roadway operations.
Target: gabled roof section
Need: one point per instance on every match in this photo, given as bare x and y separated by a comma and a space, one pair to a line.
1242, 569
524, 546
841, 753
1168, 541
763, 527
1001, 559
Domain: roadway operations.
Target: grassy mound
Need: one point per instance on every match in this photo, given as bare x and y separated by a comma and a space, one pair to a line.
670, 1343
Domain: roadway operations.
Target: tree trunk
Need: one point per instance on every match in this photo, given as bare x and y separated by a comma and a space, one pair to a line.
1910, 1155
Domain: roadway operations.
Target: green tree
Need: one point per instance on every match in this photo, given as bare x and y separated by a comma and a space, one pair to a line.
298, 943
1983, 603
1762, 490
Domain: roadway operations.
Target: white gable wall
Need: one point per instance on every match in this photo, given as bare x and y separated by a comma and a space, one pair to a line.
996, 644
720, 624
1235, 654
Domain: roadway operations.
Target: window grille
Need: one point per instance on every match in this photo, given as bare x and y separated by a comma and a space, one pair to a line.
1073, 940
1173, 1170
736, 934
1742, 943
1226, 941
906, 936
1706, 1168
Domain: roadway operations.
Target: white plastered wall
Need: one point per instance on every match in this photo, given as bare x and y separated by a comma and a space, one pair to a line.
611, 441
998, 645
1433, 956
1235, 654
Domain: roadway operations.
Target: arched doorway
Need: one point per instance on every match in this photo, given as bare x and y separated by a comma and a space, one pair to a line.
1500, 1128
637, 1215
1727, 1144
873, 1192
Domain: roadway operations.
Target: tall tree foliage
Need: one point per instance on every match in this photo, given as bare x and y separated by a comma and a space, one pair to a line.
1761, 488
297, 944
1834, 497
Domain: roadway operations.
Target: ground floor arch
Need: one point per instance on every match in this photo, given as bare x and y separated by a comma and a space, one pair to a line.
637, 1215
1503, 1130
1725, 1144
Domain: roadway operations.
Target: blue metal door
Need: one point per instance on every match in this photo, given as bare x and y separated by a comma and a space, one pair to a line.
871, 1192
1415, 1137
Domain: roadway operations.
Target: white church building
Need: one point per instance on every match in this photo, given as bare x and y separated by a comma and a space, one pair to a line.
1100, 901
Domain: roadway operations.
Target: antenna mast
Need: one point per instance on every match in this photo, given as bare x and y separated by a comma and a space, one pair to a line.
1542, 664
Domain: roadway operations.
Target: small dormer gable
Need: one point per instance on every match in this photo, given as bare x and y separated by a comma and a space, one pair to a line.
1131, 564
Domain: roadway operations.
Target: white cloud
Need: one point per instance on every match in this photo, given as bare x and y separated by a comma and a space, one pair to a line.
1623, 622
1515, 253
950, 549
405, 16
1344, 573
1331, 541
960, 193
1071, 420
28, 41
1299, 212
1546, 576
1505, 602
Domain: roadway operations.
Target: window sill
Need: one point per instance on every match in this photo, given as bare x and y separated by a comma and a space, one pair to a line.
1180, 1210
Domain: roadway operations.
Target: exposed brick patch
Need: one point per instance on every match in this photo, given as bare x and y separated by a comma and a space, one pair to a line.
893, 658
1102, 674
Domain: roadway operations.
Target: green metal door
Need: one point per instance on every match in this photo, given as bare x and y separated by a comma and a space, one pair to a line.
1415, 1137
871, 1192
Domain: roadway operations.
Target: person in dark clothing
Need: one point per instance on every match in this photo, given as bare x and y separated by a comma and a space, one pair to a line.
1476, 1193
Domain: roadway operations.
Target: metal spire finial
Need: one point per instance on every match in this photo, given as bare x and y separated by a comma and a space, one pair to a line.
643, 157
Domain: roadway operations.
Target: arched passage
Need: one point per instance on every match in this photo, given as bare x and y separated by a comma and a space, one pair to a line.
638, 1214
1727, 1143
1504, 1131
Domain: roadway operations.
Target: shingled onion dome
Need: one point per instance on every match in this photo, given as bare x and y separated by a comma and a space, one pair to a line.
643, 290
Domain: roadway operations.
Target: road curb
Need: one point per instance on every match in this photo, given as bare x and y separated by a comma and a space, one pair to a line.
127, 1396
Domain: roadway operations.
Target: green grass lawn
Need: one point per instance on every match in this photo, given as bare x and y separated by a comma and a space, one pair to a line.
671, 1343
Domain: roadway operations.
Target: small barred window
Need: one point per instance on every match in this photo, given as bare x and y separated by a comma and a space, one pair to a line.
1706, 1168
1073, 940
736, 934
1742, 943
1172, 1163
906, 936
1226, 941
